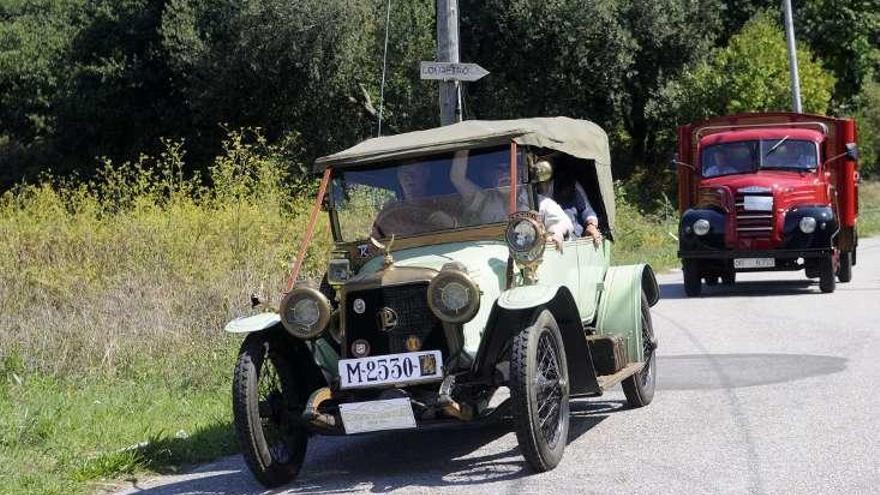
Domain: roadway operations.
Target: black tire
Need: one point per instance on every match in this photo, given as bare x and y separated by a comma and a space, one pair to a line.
693, 285
272, 440
639, 388
539, 392
827, 280
844, 271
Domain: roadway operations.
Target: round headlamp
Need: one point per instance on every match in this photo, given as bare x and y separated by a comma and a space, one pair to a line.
807, 225
701, 227
453, 296
525, 238
305, 312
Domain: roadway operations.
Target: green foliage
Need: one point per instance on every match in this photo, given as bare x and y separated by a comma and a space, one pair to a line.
751, 74
868, 119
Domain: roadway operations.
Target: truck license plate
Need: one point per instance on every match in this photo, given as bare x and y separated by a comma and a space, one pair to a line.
754, 263
391, 369
377, 415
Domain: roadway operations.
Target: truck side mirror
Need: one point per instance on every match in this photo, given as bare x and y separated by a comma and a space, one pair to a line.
852, 151
674, 163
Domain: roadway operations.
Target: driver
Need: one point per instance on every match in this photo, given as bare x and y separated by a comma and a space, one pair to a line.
417, 210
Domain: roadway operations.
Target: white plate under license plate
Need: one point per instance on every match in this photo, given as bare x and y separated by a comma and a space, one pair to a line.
754, 263
377, 415
391, 369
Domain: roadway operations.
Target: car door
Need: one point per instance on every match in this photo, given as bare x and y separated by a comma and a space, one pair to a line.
560, 267
592, 263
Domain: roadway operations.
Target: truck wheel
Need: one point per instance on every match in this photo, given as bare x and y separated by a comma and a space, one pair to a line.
827, 281
693, 284
266, 405
844, 271
539, 392
639, 388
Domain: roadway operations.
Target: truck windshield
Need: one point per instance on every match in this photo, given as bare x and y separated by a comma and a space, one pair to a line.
748, 156
428, 194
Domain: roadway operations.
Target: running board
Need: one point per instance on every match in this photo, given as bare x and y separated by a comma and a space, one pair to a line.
608, 381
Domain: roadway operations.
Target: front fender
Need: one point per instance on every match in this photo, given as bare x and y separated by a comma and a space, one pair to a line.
254, 323
620, 306
515, 310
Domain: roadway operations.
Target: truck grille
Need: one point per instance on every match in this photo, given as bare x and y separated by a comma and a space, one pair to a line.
409, 305
752, 224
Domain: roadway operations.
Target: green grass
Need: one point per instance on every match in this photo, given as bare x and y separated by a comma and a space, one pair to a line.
869, 208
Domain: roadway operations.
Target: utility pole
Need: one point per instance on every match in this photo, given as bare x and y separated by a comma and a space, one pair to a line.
447, 51
792, 58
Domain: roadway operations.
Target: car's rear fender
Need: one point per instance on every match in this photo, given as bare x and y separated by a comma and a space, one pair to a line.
620, 305
516, 309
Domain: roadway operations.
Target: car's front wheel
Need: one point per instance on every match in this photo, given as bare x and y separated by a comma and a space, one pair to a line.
539, 392
844, 272
266, 403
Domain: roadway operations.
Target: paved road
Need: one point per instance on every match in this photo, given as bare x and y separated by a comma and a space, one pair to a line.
766, 388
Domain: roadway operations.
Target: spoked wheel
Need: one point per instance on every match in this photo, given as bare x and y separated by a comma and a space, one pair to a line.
267, 405
539, 392
639, 388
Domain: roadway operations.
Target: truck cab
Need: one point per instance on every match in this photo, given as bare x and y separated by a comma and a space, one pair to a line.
769, 191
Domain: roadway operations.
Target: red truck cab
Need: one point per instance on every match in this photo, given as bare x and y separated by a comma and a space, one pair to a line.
768, 191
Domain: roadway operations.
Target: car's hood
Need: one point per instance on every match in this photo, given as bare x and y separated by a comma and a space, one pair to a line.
486, 261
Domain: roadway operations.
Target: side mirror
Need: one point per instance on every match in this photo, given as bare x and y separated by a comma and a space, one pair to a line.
852, 151
675, 163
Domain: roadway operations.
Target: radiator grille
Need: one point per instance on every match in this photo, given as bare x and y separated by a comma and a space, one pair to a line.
753, 224
409, 303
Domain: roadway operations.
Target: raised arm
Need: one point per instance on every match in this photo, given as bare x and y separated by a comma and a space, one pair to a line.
458, 174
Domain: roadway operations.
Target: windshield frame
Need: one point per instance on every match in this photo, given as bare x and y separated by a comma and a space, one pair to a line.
759, 146
519, 173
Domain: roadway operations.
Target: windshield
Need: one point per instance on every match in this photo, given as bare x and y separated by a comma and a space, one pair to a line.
748, 156
449, 191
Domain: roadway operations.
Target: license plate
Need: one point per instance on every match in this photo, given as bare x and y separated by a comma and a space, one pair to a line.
758, 203
754, 263
377, 415
391, 369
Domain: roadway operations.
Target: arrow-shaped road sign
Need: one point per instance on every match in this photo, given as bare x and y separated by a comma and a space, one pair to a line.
452, 71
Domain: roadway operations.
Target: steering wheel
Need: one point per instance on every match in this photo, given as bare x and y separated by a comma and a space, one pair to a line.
408, 219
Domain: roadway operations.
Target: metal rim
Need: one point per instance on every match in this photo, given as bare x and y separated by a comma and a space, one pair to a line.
271, 407
549, 388
648, 346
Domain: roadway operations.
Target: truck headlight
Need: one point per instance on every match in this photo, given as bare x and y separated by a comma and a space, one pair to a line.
305, 312
525, 237
453, 296
807, 225
701, 227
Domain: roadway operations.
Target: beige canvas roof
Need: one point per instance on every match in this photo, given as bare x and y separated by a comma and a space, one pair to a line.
578, 138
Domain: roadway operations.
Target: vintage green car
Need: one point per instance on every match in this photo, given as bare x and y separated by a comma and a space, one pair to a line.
444, 289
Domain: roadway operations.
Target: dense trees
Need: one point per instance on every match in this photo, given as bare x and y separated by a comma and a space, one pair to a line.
81, 79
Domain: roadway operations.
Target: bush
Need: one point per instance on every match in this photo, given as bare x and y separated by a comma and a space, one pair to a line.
145, 263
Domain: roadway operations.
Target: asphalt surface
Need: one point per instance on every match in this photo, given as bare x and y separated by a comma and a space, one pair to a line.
768, 387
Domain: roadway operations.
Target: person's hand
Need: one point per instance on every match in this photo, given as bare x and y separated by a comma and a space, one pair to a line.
593, 231
556, 239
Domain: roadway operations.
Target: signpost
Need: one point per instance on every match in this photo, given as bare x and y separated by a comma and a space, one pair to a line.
452, 71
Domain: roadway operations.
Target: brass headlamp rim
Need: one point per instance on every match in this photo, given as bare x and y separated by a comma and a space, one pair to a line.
300, 331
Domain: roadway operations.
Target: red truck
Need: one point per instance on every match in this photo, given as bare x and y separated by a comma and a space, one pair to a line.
767, 191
